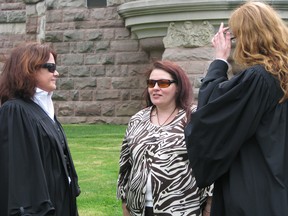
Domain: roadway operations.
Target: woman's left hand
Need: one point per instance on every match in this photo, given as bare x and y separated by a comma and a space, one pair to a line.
207, 208
222, 43
206, 213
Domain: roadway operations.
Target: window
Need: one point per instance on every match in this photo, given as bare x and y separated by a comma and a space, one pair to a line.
96, 3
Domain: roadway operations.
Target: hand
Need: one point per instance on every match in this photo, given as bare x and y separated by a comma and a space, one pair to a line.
206, 213
207, 208
125, 210
222, 43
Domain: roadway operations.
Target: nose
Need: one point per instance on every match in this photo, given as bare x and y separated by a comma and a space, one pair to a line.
56, 73
156, 86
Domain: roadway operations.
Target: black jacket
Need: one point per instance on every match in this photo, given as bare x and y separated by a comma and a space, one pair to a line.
35, 163
238, 138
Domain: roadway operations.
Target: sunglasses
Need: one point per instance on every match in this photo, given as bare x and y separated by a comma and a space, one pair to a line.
51, 67
232, 38
162, 83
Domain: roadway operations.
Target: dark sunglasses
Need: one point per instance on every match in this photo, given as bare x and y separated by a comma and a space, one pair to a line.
50, 66
162, 83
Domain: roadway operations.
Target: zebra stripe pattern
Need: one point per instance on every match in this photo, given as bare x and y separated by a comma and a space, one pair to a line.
162, 152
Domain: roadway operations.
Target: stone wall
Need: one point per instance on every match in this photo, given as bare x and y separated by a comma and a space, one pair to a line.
101, 68
102, 57
12, 26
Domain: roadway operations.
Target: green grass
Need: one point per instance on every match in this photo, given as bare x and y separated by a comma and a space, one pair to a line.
95, 150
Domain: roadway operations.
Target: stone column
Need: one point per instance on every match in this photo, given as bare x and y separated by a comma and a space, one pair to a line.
35, 20
189, 44
181, 30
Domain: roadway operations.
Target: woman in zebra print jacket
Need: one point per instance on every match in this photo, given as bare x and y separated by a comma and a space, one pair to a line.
155, 176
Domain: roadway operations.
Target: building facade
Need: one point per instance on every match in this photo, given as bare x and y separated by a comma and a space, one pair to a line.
105, 47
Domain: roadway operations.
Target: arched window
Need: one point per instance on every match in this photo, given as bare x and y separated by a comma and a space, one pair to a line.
96, 3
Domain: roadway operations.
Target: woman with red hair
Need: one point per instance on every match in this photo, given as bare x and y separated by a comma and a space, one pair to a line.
155, 176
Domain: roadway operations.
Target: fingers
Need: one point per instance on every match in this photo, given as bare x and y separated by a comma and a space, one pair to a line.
221, 27
228, 39
220, 30
222, 34
221, 42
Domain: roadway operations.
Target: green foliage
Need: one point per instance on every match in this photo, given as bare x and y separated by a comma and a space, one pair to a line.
95, 150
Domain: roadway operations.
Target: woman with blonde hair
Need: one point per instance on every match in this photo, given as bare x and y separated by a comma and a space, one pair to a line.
237, 138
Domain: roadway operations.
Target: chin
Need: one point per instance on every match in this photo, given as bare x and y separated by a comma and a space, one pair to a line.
51, 89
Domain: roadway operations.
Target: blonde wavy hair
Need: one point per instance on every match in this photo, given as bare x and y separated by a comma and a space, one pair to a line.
262, 38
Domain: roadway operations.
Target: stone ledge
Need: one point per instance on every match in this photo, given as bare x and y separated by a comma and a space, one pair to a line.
151, 18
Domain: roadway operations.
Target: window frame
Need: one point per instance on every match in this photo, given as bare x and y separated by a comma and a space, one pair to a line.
96, 3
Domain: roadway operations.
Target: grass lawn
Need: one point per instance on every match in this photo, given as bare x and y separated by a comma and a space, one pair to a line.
95, 150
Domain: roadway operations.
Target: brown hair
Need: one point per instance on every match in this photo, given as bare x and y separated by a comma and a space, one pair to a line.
18, 75
184, 98
261, 38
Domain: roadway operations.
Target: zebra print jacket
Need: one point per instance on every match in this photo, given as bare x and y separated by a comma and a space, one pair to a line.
161, 151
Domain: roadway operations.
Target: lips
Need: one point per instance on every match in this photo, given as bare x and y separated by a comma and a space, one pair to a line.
156, 95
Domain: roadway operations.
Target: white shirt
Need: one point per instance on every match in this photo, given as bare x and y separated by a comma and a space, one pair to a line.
148, 195
44, 100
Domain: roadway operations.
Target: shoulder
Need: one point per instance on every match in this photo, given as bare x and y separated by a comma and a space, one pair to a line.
259, 77
140, 118
15, 112
19, 107
253, 76
142, 113
257, 71
13, 104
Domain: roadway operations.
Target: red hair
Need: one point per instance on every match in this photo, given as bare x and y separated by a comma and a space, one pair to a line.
18, 75
184, 97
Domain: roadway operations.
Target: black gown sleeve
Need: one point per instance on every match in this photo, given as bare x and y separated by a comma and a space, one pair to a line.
228, 114
22, 183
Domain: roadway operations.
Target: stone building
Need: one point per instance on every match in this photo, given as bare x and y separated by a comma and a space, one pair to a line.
105, 46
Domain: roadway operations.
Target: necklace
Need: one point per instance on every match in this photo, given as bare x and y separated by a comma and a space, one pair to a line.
166, 119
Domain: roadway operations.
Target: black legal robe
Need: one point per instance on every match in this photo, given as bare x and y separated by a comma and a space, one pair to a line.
35, 163
238, 140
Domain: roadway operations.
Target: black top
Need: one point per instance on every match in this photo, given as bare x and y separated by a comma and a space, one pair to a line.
238, 139
35, 163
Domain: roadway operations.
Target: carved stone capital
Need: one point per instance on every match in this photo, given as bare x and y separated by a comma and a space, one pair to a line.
188, 34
